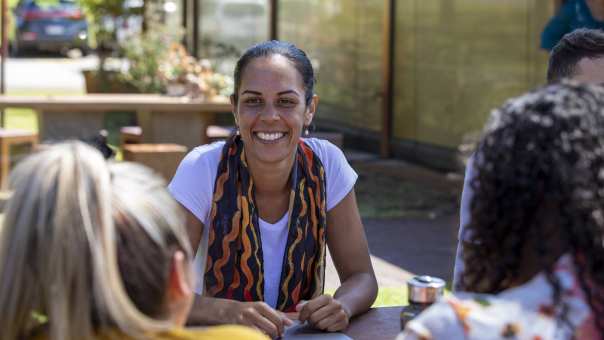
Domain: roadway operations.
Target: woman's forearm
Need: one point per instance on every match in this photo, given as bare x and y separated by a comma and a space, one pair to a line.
357, 293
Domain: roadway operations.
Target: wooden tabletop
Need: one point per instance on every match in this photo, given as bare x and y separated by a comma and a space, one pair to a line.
108, 102
381, 323
377, 324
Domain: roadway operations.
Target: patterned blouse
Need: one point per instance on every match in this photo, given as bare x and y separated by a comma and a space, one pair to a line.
523, 312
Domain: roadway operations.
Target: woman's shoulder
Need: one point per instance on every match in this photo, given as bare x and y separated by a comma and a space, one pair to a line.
206, 152
324, 149
196, 170
215, 332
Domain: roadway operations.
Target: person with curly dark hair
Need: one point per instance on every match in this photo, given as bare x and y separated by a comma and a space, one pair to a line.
578, 56
535, 251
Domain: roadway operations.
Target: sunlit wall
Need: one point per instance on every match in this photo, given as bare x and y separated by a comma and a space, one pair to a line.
455, 60
343, 37
458, 59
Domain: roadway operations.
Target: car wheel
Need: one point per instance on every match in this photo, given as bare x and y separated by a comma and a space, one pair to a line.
13, 49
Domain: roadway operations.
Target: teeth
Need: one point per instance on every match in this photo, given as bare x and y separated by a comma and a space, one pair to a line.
269, 136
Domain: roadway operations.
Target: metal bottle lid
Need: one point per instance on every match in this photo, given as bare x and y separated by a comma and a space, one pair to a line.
425, 289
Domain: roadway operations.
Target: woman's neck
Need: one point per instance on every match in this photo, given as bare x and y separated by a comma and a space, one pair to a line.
273, 178
271, 188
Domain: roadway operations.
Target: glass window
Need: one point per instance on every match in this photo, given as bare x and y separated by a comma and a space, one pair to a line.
344, 40
228, 27
174, 11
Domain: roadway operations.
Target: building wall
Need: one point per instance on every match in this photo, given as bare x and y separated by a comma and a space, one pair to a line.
458, 59
344, 40
455, 60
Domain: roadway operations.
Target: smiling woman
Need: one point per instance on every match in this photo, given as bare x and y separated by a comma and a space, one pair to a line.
266, 203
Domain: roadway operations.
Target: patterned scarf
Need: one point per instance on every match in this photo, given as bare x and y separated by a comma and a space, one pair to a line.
234, 267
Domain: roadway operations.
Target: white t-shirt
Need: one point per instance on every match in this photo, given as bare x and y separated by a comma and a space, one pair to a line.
193, 187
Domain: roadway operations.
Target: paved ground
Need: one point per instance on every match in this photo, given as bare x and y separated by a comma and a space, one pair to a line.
410, 218
47, 72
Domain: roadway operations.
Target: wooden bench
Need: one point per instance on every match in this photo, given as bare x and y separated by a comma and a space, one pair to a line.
163, 119
9, 138
216, 132
162, 158
131, 135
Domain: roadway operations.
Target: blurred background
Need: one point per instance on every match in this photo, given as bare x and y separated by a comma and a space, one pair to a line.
411, 79
407, 85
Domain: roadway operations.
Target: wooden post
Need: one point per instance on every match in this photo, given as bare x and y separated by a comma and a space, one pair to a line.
191, 25
184, 21
4, 54
196, 27
273, 32
387, 79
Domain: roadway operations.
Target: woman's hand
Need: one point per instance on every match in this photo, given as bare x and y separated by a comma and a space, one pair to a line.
324, 313
259, 315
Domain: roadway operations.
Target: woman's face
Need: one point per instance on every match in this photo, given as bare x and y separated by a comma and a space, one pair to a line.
271, 112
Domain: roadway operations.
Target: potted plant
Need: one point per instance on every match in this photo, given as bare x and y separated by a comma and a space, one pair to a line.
103, 17
145, 54
175, 70
184, 75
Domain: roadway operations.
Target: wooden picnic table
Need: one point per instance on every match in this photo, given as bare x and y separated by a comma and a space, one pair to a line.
381, 323
164, 119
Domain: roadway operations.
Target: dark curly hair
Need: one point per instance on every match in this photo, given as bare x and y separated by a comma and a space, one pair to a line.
539, 193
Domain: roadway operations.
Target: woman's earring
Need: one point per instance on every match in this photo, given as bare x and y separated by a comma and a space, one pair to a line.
306, 133
237, 132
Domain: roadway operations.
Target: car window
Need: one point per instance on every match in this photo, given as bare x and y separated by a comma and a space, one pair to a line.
51, 4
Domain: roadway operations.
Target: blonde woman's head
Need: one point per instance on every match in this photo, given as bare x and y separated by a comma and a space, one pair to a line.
72, 223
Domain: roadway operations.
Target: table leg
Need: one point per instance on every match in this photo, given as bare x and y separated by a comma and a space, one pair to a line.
144, 119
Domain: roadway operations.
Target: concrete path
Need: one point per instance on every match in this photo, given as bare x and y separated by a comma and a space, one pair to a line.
403, 247
421, 237
49, 73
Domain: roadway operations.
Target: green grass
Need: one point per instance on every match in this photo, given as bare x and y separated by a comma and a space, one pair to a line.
17, 118
21, 119
387, 296
391, 296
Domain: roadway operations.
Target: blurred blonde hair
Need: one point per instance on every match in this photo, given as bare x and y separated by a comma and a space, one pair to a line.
58, 243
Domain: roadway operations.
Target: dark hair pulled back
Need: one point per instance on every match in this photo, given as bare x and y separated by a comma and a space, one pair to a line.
288, 50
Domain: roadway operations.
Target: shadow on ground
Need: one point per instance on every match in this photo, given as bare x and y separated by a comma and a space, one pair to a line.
410, 214
419, 246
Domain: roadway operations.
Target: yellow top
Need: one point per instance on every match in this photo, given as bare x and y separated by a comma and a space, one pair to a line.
210, 333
